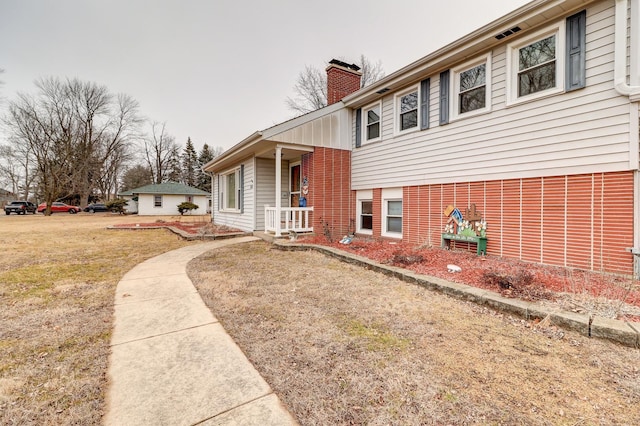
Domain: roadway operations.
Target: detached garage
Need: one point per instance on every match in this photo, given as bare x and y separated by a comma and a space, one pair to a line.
164, 198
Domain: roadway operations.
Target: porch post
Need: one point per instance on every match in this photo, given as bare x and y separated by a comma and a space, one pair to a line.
278, 190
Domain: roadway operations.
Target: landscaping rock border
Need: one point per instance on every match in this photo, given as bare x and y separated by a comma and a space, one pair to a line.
623, 332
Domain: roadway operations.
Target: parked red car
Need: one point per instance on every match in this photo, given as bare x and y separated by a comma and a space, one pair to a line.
58, 207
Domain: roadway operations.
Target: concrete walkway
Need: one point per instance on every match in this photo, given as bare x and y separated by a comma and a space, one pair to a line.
172, 363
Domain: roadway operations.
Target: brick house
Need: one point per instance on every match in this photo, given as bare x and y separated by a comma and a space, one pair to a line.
533, 119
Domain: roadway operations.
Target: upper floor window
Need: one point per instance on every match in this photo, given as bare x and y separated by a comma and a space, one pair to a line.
472, 87
407, 110
371, 122
535, 65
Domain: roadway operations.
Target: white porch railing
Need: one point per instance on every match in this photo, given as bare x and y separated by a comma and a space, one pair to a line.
291, 219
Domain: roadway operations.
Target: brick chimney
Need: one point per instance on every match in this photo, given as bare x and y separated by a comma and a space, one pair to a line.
342, 80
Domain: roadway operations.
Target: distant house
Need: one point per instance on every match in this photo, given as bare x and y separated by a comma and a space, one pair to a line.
164, 198
533, 120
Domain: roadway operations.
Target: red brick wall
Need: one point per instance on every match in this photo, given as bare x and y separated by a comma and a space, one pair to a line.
329, 174
582, 221
340, 83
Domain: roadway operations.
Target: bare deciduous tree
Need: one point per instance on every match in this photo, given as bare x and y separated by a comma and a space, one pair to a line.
160, 150
16, 169
311, 87
75, 132
45, 126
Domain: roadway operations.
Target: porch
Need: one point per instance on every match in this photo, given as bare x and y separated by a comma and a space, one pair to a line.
280, 220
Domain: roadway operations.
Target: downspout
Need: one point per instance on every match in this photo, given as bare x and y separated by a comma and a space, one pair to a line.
212, 176
631, 90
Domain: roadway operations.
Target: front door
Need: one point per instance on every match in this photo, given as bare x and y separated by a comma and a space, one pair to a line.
294, 185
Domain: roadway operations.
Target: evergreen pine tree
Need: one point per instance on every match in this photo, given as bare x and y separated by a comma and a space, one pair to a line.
204, 180
174, 170
189, 164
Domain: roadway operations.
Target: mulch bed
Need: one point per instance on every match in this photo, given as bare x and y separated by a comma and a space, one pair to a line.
509, 277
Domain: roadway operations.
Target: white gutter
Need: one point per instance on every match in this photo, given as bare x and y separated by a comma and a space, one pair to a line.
620, 65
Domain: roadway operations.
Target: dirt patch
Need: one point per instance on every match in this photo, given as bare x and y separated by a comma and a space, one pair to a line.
57, 285
343, 345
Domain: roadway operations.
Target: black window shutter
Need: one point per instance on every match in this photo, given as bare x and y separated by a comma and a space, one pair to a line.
358, 127
576, 46
425, 89
241, 201
444, 97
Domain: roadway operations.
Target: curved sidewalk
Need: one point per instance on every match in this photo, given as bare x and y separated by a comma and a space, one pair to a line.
172, 363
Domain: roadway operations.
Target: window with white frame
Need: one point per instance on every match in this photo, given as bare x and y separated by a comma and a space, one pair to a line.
407, 110
157, 201
371, 122
364, 212
535, 65
472, 87
366, 215
230, 190
394, 216
392, 212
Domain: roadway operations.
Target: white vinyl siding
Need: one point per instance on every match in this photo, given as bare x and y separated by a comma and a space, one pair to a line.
582, 131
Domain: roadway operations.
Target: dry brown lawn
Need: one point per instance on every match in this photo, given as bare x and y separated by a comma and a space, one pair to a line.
57, 281
343, 345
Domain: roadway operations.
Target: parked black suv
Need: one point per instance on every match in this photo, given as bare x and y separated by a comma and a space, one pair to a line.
20, 207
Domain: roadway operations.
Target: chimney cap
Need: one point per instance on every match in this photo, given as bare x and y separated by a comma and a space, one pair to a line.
339, 63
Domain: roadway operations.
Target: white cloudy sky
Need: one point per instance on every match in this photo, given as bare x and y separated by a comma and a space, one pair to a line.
218, 70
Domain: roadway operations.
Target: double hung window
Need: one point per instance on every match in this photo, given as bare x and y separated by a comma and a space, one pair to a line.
536, 64
366, 215
364, 212
373, 123
472, 87
392, 212
407, 110
230, 190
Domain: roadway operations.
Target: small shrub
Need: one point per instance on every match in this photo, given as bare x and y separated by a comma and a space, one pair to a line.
521, 285
186, 207
406, 259
117, 205
521, 279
